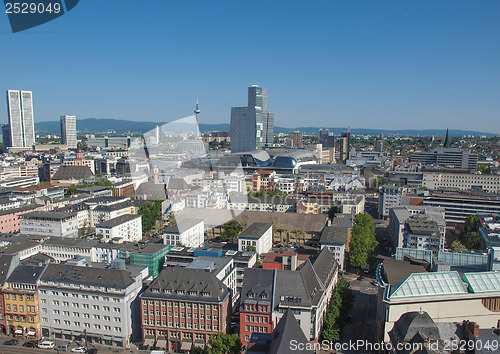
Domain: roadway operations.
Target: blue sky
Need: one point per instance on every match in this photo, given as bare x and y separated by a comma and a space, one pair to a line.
365, 64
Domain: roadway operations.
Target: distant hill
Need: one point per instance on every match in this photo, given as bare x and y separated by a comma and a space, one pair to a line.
119, 126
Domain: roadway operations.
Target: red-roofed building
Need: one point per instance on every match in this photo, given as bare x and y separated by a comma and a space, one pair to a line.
287, 260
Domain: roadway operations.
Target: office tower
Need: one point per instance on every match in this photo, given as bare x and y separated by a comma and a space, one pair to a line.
379, 146
345, 145
252, 127
68, 131
21, 123
295, 139
6, 137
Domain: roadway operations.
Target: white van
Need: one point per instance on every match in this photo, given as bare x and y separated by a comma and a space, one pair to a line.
157, 352
46, 344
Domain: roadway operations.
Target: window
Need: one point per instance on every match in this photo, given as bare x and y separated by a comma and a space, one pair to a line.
76, 324
118, 319
56, 321
107, 328
95, 307
96, 326
85, 306
86, 325
118, 329
95, 317
116, 309
76, 314
105, 308
106, 318
86, 315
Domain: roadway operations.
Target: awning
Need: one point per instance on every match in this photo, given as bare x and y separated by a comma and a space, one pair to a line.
56, 330
106, 337
31, 333
161, 343
199, 343
18, 331
186, 345
65, 331
148, 342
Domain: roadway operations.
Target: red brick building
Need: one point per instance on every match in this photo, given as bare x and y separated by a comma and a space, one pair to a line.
182, 307
256, 303
264, 180
124, 189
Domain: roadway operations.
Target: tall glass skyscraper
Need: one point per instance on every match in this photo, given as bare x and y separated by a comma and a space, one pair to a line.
21, 122
252, 127
68, 131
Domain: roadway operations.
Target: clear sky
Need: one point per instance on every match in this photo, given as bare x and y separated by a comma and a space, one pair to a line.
365, 64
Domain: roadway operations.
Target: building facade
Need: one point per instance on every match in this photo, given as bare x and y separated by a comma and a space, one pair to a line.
182, 308
125, 228
21, 121
68, 131
49, 223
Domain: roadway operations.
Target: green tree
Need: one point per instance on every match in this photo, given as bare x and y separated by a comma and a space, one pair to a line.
150, 212
223, 343
337, 311
363, 242
71, 189
469, 236
457, 246
231, 230
334, 209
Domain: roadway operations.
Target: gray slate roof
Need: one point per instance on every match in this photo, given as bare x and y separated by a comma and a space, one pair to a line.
72, 172
255, 230
26, 274
286, 330
187, 280
118, 220
111, 278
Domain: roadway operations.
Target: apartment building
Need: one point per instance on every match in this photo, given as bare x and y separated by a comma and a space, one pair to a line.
305, 291
390, 197
398, 217
182, 307
20, 294
189, 233
256, 235
96, 304
267, 204
49, 223
256, 303
125, 228
9, 219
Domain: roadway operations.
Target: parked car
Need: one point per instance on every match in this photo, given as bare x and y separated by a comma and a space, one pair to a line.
79, 350
11, 342
62, 347
47, 344
375, 283
30, 344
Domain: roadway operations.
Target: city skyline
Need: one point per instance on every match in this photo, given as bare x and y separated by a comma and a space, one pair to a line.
335, 64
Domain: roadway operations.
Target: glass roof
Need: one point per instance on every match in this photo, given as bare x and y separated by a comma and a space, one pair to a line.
428, 284
483, 282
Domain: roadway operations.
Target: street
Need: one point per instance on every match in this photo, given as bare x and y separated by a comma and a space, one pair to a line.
362, 326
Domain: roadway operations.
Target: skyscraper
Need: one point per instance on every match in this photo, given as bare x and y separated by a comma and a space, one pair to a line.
68, 131
252, 127
21, 122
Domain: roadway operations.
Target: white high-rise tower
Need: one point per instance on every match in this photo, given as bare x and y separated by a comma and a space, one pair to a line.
21, 121
68, 131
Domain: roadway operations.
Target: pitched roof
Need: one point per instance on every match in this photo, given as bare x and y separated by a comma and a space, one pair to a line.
66, 172
411, 323
255, 230
6, 266
334, 235
186, 280
118, 220
286, 330
25, 274
325, 266
110, 278
483, 282
257, 281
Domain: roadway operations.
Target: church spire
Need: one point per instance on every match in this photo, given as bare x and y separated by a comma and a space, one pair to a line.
447, 140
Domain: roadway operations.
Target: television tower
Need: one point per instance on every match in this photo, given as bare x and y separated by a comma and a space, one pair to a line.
197, 112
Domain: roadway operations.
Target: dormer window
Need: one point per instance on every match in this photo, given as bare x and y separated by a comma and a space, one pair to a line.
205, 293
250, 295
263, 295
